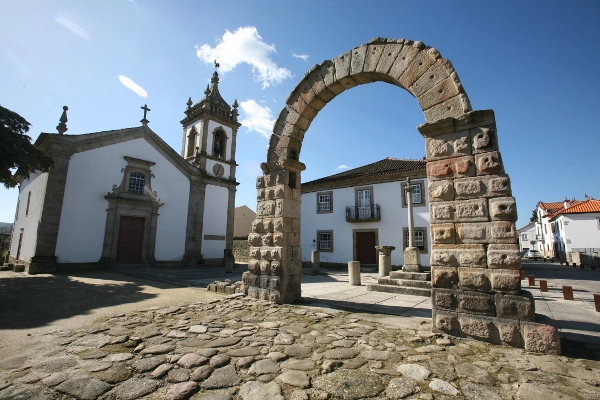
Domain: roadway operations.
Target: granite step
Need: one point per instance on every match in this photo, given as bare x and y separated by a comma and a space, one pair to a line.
414, 291
413, 276
404, 282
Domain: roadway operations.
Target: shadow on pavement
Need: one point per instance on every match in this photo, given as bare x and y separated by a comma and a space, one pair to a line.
35, 301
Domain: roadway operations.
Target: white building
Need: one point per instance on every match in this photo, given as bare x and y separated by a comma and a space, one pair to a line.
126, 197
346, 215
529, 238
569, 226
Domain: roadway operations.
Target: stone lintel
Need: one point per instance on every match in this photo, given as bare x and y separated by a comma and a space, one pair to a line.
468, 120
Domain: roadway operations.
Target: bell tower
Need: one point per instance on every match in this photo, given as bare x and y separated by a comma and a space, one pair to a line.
209, 133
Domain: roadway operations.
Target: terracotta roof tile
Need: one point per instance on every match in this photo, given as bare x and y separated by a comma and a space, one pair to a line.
587, 206
388, 167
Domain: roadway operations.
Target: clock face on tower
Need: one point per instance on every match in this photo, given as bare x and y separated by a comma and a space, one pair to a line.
218, 170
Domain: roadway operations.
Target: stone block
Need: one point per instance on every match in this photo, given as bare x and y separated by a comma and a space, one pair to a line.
498, 186
465, 255
449, 87
287, 208
452, 107
260, 182
254, 292
540, 338
503, 209
260, 194
504, 256
406, 55
358, 61
276, 269
441, 190
388, 56
342, 65
477, 303
502, 232
477, 326
444, 277
489, 163
257, 225
471, 233
474, 279
254, 239
265, 208
506, 280
265, 281
442, 211
484, 139
372, 56
421, 63
254, 253
451, 168
444, 299
250, 279
509, 332
434, 75
275, 283
275, 296
445, 322
443, 233
475, 210
266, 239
265, 267
468, 188
455, 144
520, 307
254, 267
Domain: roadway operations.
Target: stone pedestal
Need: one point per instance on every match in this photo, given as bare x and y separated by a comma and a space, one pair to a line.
315, 261
412, 261
228, 260
385, 260
354, 272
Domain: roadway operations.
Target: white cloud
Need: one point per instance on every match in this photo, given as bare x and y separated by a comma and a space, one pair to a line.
245, 45
257, 118
73, 27
343, 166
302, 56
134, 87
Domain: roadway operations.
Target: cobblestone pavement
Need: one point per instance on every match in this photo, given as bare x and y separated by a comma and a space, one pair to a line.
231, 347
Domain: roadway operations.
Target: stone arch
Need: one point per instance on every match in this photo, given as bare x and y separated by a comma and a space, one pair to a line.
474, 253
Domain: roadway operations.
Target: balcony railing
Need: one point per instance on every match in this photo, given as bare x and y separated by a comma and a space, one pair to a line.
363, 214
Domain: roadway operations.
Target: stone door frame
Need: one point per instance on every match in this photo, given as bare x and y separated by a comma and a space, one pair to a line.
474, 252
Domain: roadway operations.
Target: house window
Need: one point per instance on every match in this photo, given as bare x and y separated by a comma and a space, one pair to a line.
417, 194
524, 236
136, 183
364, 203
420, 238
325, 241
324, 202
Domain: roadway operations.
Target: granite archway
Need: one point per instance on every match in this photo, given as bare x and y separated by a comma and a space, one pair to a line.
475, 257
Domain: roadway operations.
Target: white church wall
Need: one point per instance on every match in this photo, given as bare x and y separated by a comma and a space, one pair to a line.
210, 164
215, 217
581, 231
92, 175
28, 220
389, 230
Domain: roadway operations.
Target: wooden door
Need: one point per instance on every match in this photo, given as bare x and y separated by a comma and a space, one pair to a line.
131, 240
365, 248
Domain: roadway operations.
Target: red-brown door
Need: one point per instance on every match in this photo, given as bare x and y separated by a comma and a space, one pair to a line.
365, 248
131, 240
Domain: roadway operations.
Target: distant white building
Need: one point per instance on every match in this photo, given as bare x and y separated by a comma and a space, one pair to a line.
346, 215
569, 226
127, 197
528, 238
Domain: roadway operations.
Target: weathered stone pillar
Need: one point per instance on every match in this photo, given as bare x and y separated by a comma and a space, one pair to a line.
385, 260
275, 263
354, 272
195, 222
475, 258
315, 261
412, 256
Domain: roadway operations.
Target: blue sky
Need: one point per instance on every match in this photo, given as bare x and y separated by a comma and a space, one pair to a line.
534, 62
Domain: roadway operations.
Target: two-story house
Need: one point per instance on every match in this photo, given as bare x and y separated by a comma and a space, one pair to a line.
346, 215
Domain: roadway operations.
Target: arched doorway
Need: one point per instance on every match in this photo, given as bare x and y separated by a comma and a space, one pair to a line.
475, 259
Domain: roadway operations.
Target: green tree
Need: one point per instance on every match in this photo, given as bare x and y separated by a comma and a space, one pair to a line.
18, 157
534, 216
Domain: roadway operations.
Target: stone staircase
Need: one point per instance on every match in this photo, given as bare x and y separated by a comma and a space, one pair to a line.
412, 283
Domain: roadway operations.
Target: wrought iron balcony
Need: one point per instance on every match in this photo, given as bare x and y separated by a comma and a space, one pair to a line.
363, 214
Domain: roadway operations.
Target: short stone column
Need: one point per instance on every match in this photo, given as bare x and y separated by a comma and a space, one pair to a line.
228, 260
354, 272
315, 261
385, 260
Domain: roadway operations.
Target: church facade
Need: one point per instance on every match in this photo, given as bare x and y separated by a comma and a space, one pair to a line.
126, 197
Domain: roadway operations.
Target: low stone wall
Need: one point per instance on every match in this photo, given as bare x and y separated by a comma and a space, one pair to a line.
226, 287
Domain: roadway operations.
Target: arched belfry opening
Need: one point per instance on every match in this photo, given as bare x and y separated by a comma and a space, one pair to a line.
475, 260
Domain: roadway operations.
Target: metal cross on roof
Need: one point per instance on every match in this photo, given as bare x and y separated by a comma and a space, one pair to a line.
146, 109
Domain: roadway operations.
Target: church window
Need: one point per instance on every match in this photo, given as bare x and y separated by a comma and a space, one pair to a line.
191, 142
136, 183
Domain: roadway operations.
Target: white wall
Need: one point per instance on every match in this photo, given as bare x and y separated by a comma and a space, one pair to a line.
215, 220
92, 175
29, 221
531, 235
390, 229
581, 231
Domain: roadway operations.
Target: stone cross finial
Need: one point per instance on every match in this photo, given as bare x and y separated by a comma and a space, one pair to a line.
189, 103
62, 125
144, 121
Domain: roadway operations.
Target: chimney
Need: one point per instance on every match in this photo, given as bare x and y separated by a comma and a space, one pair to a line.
567, 203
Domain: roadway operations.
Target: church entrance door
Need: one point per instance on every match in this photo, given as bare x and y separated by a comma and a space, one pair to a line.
365, 247
131, 240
